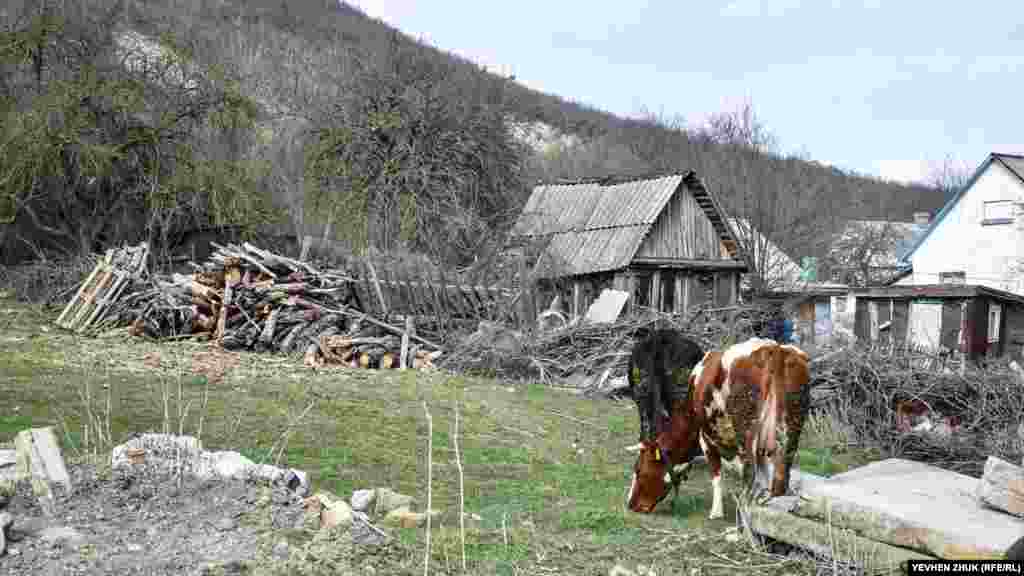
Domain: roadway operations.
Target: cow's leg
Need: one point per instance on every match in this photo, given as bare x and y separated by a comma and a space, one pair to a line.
715, 464
797, 404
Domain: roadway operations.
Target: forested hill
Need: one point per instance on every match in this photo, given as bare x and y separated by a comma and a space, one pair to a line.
345, 125
642, 146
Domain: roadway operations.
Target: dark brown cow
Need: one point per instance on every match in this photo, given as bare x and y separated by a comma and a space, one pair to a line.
736, 402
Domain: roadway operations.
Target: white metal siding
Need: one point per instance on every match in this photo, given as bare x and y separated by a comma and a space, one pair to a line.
988, 255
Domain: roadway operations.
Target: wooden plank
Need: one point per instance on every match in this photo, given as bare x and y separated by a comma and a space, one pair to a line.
76, 300
656, 290
307, 243
686, 292
376, 287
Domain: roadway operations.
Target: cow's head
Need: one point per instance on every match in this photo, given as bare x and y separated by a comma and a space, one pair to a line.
651, 480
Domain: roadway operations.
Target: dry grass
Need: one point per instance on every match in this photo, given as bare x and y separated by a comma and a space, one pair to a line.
542, 470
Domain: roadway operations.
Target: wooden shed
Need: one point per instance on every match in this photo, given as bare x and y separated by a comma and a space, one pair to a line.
982, 321
662, 239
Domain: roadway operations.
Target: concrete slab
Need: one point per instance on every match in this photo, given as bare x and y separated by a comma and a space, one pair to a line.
775, 521
38, 457
607, 307
912, 505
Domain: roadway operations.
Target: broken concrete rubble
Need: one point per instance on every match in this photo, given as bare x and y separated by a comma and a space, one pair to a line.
186, 453
1002, 486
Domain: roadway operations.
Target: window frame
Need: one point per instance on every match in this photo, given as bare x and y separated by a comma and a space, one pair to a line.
987, 220
958, 277
993, 327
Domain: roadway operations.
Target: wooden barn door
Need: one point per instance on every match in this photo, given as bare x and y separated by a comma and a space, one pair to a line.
925, 323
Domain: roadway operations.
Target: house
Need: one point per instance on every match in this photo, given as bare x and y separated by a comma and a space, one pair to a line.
867, 252
663, 239
803, 300
978, 237
774, 266
983, 322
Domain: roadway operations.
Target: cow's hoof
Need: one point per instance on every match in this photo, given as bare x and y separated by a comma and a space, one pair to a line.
716, 516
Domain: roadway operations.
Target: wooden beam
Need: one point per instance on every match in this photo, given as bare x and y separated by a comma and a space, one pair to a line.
686, 292
631, 288
576, 296
656, 290
678, 304
653, 262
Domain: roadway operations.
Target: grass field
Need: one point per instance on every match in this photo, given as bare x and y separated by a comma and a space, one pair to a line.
545, 471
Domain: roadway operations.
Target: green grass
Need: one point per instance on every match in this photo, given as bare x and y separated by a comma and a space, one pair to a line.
545, 471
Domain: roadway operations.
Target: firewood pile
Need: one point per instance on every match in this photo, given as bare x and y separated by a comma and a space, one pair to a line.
247, 298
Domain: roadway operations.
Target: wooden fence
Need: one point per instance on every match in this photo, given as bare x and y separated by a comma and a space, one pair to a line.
388, 287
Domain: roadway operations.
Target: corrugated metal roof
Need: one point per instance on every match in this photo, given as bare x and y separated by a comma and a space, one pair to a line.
632, 203
593, 228
557, 208
1014, 163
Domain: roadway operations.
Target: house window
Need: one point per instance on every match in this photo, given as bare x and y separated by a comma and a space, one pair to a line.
994, 316
956, 277
840, 305
998, 212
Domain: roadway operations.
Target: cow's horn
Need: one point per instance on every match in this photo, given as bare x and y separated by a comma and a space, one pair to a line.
634, 448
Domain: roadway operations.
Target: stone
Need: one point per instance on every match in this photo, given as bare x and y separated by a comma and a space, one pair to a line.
225, 525
229, 464
326, 511
774, 520
388, 500
912, 505
280, 551
6, 521
39, 458
62, 534
407, 518
1002, 486
297, 481
337, 514
363, 499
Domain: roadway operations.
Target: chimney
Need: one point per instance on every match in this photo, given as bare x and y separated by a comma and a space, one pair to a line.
922, 218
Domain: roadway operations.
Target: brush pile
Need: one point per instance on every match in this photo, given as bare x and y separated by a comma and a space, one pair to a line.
247, 298
917, 405
585, 355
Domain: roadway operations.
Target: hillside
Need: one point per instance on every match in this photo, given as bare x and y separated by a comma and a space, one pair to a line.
306, 64
655, 147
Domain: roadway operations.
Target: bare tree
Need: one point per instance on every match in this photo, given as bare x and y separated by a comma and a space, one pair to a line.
949, 175
864, 252
773, 195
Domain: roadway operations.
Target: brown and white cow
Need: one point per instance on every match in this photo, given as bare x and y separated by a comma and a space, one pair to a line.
736, 403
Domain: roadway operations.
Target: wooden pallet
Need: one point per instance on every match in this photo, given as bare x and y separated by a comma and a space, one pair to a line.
103, 287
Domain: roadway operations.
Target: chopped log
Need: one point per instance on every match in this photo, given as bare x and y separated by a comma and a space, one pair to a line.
387, 360
225, 305
1002, 486
403, 362
195, 288
364, 360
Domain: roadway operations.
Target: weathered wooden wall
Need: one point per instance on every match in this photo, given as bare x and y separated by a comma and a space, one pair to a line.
682, 231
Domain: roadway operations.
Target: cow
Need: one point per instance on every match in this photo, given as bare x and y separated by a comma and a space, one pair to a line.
736, 401
659, 367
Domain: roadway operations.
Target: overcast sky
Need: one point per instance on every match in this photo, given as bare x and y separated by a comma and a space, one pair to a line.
881, 87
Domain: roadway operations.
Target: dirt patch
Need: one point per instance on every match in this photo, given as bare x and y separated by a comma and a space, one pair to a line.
143, 521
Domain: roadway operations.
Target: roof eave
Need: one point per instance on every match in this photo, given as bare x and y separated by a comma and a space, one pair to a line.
946, 209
